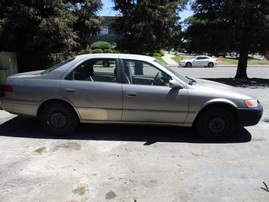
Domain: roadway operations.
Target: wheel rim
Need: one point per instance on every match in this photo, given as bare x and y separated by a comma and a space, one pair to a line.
216, 124
105, 64
58, 119
210, 65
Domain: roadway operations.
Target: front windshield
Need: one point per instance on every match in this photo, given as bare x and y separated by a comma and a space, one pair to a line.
181, 77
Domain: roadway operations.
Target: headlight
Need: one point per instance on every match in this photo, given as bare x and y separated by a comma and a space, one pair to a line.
252, 103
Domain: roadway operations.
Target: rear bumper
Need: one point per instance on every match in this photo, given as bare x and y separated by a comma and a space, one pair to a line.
250, 116
18, 107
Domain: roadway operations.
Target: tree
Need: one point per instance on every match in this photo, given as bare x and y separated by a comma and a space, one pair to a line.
241, 25
147, 26
44, 32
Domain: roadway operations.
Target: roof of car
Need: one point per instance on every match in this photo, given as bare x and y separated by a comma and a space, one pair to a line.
115, 55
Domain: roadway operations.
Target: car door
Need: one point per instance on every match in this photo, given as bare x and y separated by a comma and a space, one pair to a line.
93, 89
203, 61
149, 99
198, 61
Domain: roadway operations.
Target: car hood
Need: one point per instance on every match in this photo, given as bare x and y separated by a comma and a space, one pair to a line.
220, 90
187, 60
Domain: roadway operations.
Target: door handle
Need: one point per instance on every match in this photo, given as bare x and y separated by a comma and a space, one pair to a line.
131, 94
69, 90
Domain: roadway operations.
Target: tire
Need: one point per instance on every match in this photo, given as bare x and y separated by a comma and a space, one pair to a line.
59, 119
106, 64
215, 124
188, 64
210, 64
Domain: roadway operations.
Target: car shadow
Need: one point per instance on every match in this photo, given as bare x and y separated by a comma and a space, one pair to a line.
32, 128
253, 83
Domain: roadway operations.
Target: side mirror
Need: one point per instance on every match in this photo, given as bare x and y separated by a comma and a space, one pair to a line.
175, 84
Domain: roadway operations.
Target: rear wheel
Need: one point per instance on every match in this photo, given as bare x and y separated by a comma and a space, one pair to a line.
59, 119
210, 64
188, 64
215, 124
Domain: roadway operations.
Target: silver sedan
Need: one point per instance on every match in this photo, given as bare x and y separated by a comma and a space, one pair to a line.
130, 89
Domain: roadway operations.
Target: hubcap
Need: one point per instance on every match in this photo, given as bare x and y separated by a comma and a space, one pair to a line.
216, 124
58, 119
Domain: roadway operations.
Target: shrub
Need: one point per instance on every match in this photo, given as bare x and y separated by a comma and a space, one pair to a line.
156, 54
107, 51
147, 54
97, 51
100, 45
159, 53
116, 51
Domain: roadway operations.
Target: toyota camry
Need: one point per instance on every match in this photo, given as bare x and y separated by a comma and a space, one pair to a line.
128, 89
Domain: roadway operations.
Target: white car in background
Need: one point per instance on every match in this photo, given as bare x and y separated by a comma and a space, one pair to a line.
201, 60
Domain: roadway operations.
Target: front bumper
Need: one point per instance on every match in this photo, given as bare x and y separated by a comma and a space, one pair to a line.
250, 116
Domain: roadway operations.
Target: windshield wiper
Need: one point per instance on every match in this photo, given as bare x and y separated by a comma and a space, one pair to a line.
191, 81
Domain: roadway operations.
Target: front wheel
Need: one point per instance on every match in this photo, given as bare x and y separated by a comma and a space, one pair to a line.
215, 124
59, 119
188, 64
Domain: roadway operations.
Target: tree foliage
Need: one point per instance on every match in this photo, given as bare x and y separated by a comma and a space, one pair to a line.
44, 32
147, 26
241, 25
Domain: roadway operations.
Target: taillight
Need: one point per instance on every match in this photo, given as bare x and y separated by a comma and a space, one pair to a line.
8, 89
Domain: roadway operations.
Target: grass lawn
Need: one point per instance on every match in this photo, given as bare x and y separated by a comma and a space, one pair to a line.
225, 61
160, 59
178, 58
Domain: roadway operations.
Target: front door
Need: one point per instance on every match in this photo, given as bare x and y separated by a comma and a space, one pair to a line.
148, 98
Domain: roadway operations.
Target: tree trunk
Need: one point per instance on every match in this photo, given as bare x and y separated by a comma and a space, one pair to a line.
242, 65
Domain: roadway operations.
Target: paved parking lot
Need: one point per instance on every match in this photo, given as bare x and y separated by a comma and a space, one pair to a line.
132, 163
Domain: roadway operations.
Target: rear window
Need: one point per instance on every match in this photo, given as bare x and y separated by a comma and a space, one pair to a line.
57, 66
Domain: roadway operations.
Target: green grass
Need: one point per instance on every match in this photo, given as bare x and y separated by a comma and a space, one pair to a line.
160, 59
177, 58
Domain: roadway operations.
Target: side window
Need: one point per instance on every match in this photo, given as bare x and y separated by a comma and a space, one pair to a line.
97, 70
142, 73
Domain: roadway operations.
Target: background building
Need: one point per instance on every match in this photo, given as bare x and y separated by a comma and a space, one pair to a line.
107, 33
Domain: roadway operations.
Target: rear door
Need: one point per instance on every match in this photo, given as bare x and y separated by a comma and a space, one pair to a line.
93, 89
